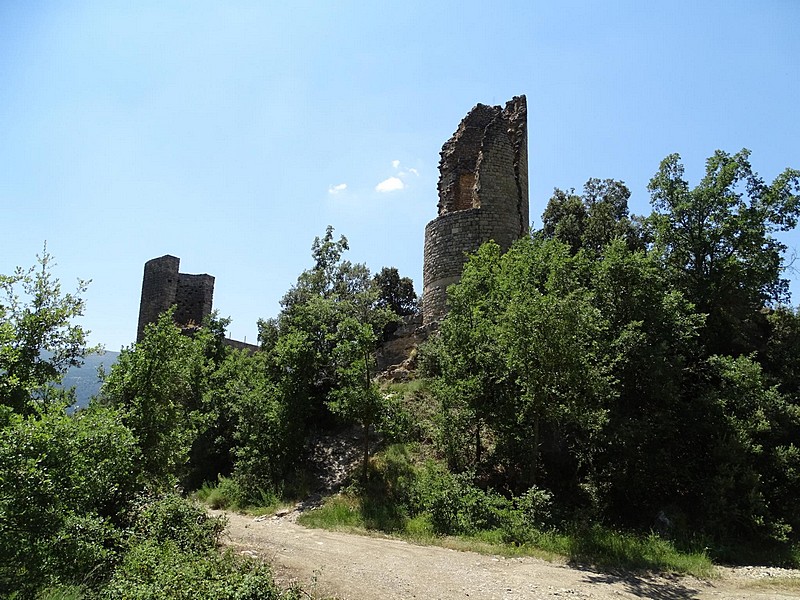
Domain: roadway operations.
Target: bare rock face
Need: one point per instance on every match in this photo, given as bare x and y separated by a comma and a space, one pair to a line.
483, 195
401, 346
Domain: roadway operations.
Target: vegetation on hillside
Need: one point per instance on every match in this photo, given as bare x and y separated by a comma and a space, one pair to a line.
617, 388
635, 368
87, 508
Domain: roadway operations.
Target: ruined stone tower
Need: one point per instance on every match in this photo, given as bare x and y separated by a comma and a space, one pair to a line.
483, 195
163, 286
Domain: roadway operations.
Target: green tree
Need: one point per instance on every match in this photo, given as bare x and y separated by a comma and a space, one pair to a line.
471, 381
564, 218
718, 240
357, 398
518, 359
781, 359
551, 335
591, 220
154, 385
39, 339
652, 343
269, 424
395, 292
749, 493
313, 310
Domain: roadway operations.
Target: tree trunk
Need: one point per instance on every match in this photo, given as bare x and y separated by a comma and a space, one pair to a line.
366, 451
477, 442
535, 465
367, 383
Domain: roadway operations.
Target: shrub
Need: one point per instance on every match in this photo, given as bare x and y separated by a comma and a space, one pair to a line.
456, 505
155, 570
185, 523
65, 484
225, 494
529, 515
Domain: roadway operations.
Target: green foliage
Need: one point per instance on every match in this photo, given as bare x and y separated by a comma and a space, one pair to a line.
394, 292
38, 339
330, 306
77, 515
781, 359
226, 493
591, 221
358, 398
155, 385
65, 482
458, 507
751, 445
269, 439
155, 571
529, 516
519, 358
320, 360
62, 592
170, 518
606, 548
632, 367
173, 555
718, 239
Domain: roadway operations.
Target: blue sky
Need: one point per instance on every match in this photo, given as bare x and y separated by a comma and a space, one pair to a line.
230, 134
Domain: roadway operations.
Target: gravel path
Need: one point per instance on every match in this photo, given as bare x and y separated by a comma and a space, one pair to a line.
351, 567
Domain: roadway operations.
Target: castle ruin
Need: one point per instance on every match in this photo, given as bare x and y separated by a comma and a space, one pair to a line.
483, 195
163, 286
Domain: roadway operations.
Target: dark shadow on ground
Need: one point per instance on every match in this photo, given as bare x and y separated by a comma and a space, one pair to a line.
654, 587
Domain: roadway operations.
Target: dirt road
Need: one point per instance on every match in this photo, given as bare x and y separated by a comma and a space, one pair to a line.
351, 567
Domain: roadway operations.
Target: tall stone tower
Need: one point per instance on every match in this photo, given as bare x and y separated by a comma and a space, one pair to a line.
163, 286
483, 195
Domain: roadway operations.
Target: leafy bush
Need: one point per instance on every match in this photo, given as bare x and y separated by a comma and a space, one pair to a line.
65, 481
397, 423
529, 516
155, 570
225, 494
456, 505
180, 521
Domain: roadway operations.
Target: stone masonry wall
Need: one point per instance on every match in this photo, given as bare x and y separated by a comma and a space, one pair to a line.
194, 298
192, 295
163, 286
159, 286
483, 195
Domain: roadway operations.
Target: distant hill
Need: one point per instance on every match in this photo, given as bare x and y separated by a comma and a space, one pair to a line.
84, 378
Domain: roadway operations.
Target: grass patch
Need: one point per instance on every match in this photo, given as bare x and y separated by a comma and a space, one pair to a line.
598, 546
425, 504
226, 495
339, 513
68, 592
608, 549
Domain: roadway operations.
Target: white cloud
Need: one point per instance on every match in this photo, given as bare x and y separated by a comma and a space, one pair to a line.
392, 184
395, 164
413, 172
335, 189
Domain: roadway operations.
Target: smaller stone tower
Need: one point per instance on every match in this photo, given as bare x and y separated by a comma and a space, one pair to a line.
483, 195
163, 286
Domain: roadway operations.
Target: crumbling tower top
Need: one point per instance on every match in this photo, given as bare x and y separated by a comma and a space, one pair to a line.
483, 195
